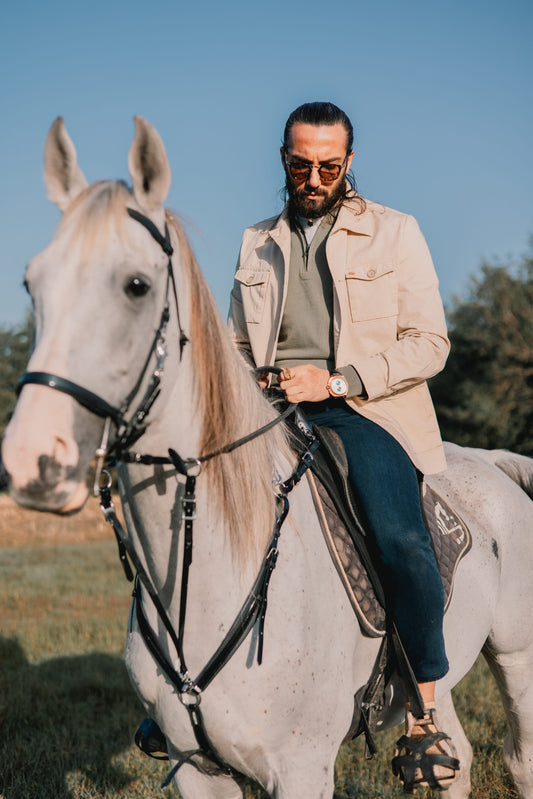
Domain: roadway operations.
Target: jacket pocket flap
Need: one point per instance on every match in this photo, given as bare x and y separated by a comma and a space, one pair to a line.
368, 271
251, 277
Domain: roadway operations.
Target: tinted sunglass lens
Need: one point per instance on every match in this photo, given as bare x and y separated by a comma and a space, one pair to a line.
329, 173
300, 171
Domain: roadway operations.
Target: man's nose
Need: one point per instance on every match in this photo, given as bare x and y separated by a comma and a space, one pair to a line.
314, 177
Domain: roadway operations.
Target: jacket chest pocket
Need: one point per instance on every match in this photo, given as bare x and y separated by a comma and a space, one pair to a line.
372, 291
253, 284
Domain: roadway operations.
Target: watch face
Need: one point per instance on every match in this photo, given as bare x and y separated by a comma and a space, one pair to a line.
338, 386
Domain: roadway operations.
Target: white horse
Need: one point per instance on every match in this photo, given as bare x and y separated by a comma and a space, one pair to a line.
98, 292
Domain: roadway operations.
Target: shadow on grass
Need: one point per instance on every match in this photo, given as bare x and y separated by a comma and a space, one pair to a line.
67, 714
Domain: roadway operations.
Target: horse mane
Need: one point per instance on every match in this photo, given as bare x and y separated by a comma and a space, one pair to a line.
228, 400
231, 406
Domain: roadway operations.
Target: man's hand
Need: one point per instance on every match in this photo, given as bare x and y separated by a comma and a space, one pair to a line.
306, 383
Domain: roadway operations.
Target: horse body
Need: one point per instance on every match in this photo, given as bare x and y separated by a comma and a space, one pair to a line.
492, 590
246, 704
98, 292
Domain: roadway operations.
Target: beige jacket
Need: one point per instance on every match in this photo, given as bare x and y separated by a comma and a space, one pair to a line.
388, 315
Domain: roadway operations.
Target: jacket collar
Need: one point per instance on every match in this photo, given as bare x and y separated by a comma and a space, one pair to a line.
348, 218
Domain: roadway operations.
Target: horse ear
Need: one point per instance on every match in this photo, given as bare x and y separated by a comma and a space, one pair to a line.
63, 177
148, 165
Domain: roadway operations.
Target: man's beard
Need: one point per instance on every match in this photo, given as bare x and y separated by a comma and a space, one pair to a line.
299, 205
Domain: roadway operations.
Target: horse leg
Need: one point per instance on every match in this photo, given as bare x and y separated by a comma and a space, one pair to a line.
291, 784
299, 785
192, 784
304, 773
449, 722
512, 671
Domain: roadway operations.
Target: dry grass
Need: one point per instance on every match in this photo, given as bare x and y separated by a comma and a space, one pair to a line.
67, 711
28, 528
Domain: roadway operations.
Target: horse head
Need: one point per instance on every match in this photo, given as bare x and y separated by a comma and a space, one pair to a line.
101, 294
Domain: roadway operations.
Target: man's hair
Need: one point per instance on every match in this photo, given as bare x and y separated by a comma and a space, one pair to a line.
319, 113
324, 113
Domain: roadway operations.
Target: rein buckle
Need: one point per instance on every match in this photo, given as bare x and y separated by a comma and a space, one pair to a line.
188, 505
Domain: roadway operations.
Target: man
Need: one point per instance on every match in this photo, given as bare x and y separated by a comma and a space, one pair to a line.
341, 294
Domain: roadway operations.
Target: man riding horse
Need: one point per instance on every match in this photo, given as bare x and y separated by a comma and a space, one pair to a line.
341, 294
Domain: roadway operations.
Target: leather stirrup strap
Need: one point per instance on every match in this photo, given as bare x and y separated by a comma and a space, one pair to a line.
406, 673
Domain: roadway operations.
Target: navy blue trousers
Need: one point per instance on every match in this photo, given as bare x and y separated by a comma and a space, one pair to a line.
387, 488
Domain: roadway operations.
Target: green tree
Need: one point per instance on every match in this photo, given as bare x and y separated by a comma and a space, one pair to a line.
15, 348
484, 396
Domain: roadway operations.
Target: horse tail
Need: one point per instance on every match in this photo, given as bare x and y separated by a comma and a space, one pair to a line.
518, 467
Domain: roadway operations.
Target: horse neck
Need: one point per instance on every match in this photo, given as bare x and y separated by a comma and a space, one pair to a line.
219, 579
208, 401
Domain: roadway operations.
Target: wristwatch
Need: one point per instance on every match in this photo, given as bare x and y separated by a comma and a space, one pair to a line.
337, 385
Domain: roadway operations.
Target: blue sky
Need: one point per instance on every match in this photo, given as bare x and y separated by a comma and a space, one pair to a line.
440, 94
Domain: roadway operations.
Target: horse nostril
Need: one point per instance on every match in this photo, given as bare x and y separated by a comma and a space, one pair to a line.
65, 451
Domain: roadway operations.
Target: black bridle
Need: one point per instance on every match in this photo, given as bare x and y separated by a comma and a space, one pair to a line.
128, 432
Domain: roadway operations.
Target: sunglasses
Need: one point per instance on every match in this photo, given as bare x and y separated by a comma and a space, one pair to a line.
300, 171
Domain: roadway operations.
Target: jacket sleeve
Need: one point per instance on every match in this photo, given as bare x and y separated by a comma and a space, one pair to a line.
421, 345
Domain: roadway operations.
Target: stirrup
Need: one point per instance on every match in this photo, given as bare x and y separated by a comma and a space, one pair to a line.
427, 758
151, 740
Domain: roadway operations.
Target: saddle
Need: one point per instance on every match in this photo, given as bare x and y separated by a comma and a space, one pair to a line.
344, 530
343, 526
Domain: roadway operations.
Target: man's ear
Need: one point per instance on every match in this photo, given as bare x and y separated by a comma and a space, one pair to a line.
349, 160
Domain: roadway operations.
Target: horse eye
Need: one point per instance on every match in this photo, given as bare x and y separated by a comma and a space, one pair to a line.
137, 287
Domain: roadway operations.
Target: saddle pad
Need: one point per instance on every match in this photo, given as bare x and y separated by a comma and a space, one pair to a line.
449, 535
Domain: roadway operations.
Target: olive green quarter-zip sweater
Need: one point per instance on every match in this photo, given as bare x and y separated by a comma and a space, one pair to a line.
306, 332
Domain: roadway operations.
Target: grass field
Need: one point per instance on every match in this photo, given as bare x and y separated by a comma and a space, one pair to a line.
67, 712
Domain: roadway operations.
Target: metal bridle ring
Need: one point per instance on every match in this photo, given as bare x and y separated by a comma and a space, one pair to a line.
194, 462
189, 698
108, 483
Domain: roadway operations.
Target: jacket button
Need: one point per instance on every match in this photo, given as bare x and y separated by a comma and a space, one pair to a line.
371, 273
250, 279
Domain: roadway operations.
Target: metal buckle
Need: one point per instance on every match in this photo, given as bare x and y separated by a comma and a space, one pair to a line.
188, 514
100, 456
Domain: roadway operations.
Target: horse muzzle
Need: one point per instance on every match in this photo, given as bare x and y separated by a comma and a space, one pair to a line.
45, 466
